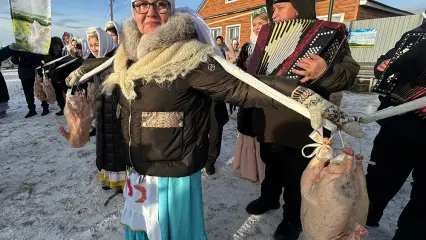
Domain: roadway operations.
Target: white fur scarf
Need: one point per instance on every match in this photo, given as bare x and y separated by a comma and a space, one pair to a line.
163, 56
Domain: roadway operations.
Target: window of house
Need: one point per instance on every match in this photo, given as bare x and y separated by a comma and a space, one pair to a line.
339, 17
216, 32
233, 32
229, 1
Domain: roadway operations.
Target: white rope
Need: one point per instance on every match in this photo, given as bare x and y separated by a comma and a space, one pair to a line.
265, 89
97, 70
394, 111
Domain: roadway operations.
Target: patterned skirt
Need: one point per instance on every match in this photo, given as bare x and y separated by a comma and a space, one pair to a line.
162, 208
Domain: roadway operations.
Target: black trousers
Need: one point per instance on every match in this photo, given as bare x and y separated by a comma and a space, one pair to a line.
396, 158
215, 142
284, 168
28, 86
60, 90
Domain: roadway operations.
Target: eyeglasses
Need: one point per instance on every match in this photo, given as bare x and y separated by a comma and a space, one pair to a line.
142, 7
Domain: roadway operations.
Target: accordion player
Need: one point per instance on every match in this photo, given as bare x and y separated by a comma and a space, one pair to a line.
282, 45
404, 79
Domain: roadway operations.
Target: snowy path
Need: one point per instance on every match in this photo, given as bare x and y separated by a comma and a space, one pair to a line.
50, 191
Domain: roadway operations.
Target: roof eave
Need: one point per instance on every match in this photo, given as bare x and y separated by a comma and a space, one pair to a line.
383, 7
203, 3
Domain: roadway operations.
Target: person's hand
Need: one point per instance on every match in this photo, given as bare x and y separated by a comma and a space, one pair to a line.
74, 77
314, 67
383, 65
319, 108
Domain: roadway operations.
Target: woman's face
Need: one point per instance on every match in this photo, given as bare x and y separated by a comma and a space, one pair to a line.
66, 40
57, 49
284, 11
94, 46
74, 45
235, 45
114, 37
257, 25
151, 20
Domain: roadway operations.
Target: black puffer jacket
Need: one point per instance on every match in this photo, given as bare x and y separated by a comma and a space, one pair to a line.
409, 126
166, 128
27, 63
109, 156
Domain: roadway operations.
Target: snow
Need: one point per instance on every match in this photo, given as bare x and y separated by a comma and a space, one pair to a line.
50, 191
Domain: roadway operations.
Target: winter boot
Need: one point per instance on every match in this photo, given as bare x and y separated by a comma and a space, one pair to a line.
210, 170
60, 113
285, 231
261, 206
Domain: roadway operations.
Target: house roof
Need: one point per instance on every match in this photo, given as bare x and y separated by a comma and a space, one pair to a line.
383, 7
367, 3
203, 3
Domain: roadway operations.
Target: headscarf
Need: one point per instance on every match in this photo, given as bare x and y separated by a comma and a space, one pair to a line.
117, 26
253, 37
305, 8
172, 7
106, 44
85, 48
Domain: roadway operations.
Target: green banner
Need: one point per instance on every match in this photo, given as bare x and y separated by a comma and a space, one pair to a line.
31, 21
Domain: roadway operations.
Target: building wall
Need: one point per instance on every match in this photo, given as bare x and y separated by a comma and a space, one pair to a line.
242, 18
365, 13
348, 7
214, 7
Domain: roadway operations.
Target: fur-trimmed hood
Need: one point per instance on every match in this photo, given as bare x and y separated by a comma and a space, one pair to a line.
179, 27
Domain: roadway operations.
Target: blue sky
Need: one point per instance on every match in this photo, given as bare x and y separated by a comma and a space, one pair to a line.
77, 15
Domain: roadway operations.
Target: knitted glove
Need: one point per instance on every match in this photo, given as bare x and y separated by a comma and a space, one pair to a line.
320, 108
74, 77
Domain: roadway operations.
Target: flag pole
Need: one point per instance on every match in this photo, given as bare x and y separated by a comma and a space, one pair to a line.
330, 10
111, 10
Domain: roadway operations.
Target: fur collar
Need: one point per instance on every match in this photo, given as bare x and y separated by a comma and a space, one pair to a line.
179, 27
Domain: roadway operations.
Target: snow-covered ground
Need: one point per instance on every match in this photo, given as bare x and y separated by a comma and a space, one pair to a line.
50, 191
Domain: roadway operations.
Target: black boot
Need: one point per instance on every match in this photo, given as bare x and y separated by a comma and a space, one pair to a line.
45, 112
31, 113
45, 106
210, 170
60, 113
261, 206
285, 231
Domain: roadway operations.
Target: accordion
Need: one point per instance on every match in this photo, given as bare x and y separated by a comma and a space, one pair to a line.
404, 79
282, 45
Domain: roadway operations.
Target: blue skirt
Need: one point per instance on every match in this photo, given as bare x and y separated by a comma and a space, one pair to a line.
180, 210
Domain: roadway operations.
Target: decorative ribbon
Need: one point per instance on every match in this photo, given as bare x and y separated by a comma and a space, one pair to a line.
323, 150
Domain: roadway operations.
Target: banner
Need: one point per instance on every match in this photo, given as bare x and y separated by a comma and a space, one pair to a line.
31, 21
362, 38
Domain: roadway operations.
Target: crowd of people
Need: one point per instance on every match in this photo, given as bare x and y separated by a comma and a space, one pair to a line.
153, 136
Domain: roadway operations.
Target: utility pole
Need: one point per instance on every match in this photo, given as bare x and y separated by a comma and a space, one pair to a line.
330, 10
111, 10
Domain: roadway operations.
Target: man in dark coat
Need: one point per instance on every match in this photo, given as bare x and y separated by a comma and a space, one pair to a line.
398, 151
27, 63
218, 118
283, 133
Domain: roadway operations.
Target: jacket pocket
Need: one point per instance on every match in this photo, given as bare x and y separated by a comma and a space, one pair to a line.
162, 136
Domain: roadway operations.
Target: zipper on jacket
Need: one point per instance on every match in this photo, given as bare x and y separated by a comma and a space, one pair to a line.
130, 136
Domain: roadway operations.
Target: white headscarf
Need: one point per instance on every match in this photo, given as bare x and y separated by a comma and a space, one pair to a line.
85, 48
116, 25
106, 44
